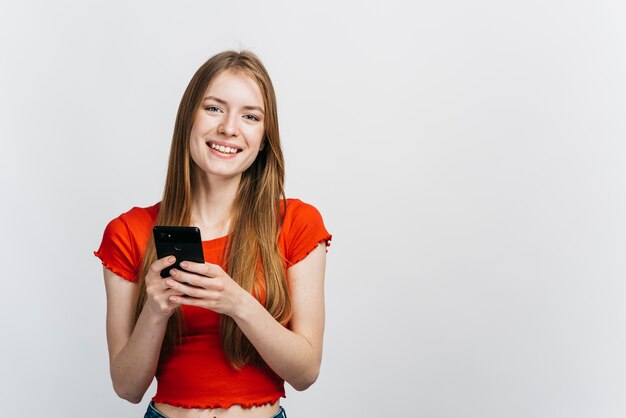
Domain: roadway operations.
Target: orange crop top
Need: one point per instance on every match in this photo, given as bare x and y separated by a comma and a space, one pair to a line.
197, 373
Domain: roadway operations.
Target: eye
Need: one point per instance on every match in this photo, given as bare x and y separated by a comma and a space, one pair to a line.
212, 109
251, 117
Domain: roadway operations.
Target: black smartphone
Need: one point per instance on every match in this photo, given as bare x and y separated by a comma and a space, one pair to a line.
183, 242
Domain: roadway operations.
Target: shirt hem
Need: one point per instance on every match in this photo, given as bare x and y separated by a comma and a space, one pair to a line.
219, 404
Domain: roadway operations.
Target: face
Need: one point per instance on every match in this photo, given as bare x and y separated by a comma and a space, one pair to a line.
228, 127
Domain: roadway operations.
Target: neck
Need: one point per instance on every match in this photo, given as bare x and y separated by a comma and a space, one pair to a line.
211, 204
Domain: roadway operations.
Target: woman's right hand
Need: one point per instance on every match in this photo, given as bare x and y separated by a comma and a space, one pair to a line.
158, 300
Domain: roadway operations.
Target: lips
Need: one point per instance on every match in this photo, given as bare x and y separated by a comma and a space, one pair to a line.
224, 148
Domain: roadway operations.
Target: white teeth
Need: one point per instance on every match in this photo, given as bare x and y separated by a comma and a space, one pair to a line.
222, 148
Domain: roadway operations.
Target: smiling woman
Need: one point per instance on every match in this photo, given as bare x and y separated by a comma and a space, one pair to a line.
220, 337
230, 122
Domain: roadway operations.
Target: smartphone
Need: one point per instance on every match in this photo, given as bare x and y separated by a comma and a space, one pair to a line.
183, 242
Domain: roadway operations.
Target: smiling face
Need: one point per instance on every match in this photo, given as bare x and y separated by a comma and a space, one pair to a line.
228, 128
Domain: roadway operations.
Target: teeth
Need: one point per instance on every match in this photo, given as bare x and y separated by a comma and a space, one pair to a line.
222, 148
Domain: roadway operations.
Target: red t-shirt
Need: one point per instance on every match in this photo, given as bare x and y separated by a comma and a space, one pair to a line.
197, 373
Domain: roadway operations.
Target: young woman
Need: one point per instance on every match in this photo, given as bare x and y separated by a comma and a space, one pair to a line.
223, 336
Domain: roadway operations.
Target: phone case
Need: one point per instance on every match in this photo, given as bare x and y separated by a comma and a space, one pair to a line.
183, 242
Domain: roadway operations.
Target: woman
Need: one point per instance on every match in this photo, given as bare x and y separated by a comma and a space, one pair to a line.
223, 336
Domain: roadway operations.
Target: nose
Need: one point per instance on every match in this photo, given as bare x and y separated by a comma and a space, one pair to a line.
228, 125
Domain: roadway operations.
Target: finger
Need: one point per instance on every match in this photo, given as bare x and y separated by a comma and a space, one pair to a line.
166, 287
162, 301
173, 292
193, 279
158, 290
187, 300
194, 292
206, 269
162, 263
197, 280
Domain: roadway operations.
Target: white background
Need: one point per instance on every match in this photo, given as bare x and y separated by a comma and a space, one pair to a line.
468, 157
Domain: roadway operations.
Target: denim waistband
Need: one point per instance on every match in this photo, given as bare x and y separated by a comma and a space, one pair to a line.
281, 413
152, 412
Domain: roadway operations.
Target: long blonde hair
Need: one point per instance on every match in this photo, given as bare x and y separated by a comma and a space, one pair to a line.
252, 255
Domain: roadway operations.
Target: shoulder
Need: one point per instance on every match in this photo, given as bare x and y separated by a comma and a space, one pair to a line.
136, 224
125, 239
302, 230
138, 217
297, 210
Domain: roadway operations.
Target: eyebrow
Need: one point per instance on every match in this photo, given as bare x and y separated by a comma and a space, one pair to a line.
222, 101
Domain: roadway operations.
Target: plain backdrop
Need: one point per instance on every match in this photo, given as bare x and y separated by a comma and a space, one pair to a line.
468, 158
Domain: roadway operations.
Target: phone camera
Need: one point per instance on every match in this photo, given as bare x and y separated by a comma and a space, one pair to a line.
162, 234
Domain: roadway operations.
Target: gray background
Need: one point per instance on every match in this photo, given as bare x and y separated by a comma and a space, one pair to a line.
467, 156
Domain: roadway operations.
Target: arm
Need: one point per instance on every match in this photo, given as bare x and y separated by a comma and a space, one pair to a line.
134, 348
294, 354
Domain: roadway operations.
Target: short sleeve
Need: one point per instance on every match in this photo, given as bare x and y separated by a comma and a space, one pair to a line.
304, 231
117, 251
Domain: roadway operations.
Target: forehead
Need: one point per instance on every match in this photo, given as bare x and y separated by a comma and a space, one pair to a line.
236, 88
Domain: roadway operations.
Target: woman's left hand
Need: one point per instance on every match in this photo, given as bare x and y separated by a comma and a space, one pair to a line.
207, 286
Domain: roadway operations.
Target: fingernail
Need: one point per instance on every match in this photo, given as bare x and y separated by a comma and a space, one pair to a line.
183, 265
171, 259
173, 272
170, 282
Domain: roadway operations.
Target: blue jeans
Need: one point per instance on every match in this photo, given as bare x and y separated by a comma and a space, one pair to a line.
153, 413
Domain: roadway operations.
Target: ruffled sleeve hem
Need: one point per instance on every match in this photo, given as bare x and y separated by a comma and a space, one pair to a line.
326, 240
116, 270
